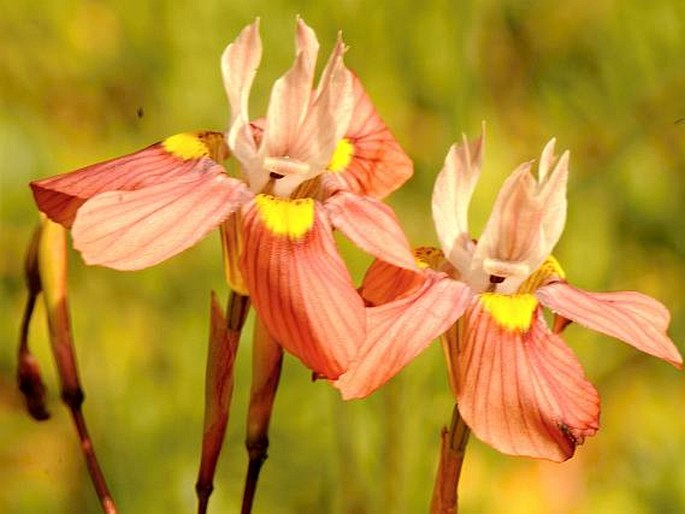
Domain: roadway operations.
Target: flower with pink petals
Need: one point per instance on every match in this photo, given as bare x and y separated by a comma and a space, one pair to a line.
518, 386
320, 160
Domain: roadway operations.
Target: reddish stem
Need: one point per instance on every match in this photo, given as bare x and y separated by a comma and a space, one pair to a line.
46, 271
223, 345
74, 402
267, 361
452, 452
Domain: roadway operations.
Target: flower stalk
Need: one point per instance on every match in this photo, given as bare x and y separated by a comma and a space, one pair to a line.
46, 268
224, 336
452, 453
267, 361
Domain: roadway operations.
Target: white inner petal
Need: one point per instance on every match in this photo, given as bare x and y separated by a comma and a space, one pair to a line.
505, 269
286, 166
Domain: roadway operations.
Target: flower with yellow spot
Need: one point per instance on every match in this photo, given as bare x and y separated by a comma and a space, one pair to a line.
518, 386
320, 160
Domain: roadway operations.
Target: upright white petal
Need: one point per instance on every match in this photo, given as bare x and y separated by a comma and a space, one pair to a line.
239, 64
451, 197
526, 223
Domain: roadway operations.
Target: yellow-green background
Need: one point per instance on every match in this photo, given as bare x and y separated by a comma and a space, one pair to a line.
606, 77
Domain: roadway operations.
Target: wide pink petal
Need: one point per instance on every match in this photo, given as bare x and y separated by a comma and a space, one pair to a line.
451, 197
371, 225
131, 230
523, 391
400, 330
378, 165
239, 64
526, 222
60, 197
632, 317
303, 292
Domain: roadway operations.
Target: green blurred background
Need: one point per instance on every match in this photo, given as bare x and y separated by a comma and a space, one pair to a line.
606, 77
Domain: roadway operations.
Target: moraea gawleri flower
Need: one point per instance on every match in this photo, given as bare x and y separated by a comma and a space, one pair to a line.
320, 160
518, 386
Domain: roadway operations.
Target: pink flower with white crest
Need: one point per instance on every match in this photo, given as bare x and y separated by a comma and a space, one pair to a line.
518, 386
320, 160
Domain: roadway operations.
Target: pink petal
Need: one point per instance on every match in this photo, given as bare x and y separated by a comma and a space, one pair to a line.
385, 282
400, 330
451, 197
60, 197
290, 97
653, 311
303, 291
371, 225
632, 317
241, 141
332, 65
304, 127
130, 230
523, 392
526, 222
328, 116
239, 64
307, 44
378, 165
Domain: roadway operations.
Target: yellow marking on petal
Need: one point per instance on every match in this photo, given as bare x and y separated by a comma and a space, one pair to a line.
195, 145
428, 257
285, 216
342, 155
186, 146
512, 312
547, 270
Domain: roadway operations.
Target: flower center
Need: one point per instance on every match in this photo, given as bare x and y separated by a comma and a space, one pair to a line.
279, 167
501, 270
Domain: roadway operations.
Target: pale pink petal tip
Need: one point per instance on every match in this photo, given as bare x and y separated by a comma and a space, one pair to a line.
546, 159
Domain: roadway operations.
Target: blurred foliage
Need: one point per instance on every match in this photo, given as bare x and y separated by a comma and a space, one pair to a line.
82, 81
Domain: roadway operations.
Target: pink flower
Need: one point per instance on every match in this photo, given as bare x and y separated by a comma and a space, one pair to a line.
319, 161
517, 384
